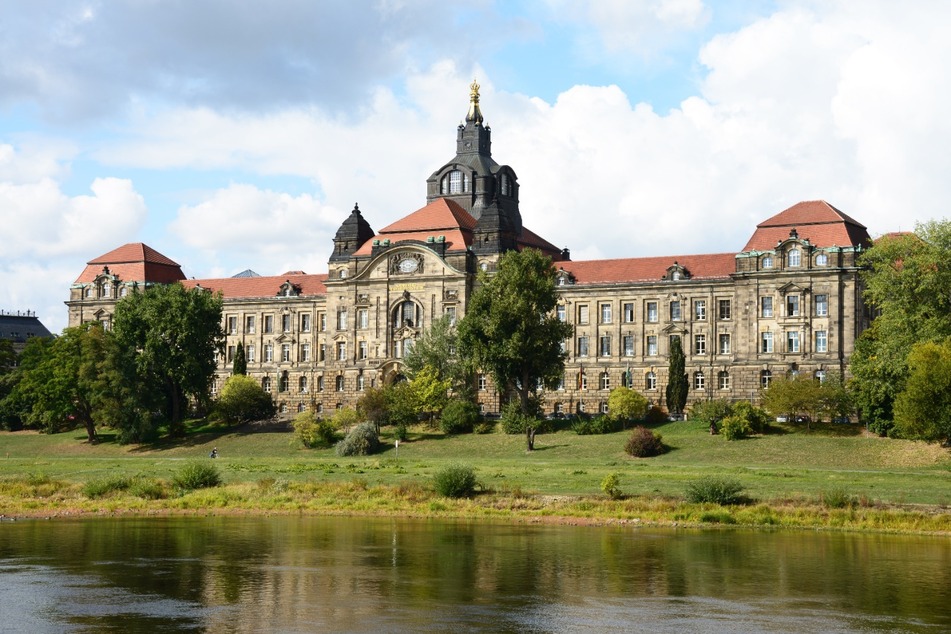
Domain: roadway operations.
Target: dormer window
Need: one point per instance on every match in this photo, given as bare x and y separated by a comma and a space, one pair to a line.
822, 259
288, 290
677, 272
794, 258
455, 182
343, 274
767, 261
505, 185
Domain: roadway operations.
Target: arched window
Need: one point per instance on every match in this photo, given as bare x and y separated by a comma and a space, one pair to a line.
123, 291
767, 261
820, 376
406, 314
340, 383
723, 380
765, 377
505, 185
320, 384
822, 259
106, 289
282, 385
604, 407
266, 384
605, 381
650, 381
320, 408
301, 407
455, 182
794, 258
699, 381
302, 384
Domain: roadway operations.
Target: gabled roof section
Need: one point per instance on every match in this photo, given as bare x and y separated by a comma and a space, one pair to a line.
814, 220
442, 217
530, 239
134, 262
262, 286
652, 269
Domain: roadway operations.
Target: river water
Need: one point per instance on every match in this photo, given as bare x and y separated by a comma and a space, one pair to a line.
315, 574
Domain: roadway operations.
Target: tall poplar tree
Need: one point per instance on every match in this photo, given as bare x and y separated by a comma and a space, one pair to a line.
677, 383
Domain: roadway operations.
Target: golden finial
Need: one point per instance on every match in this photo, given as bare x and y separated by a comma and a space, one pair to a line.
475, 113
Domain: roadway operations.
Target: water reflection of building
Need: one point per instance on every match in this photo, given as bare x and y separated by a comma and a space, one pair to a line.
787, 301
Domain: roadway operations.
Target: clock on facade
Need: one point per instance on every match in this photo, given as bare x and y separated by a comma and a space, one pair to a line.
408, 265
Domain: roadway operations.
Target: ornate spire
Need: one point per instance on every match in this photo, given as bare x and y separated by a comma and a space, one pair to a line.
474, 114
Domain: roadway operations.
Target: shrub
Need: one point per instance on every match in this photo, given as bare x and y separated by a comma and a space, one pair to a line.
401, 432
735, 428
243, 399
611, 486
455, 481
513, 421
484, 427
147, 488
712, 490
597, 425
104, 486
644, 443
655, 415
459, 417
314, 432
756, 417
362, 440
837, 498
197, 475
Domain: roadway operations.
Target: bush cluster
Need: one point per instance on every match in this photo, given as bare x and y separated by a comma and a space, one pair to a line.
459, 417
197, 475
455, 481
362, 440
713, 490
611, 486
597, 425
735, 427
243, 399
314, 432
644, 443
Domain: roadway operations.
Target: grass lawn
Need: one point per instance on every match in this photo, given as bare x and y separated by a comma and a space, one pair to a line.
789, 464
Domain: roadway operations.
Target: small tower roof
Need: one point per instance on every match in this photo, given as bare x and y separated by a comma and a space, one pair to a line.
475, 113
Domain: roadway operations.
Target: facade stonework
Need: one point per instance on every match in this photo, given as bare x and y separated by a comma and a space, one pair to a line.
789, 302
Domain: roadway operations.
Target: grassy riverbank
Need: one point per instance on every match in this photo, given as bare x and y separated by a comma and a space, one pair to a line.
833, 476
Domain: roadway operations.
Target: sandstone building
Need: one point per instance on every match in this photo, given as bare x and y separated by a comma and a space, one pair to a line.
788, 301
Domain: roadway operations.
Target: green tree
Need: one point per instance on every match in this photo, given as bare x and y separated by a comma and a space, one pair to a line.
908, 284
511, 331
923, 408
243, 399
240, 365
710, 413
373, 407
8, 360
437, 348
430, 392
796, 395
678, 384
66, 381
624, 404
169, 336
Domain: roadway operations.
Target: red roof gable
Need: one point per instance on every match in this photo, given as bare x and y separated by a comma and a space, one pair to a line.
441, 217
814, 220
134, 262
530, 239
712, 266
269, 286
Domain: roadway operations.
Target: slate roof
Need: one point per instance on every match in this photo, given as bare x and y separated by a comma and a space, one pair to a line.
134, 262
699, 267
18, 328
263, 285
816, 220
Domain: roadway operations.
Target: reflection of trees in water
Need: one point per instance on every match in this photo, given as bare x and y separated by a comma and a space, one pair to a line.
340, 573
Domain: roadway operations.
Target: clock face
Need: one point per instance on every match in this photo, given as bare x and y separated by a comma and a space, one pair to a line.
408, 265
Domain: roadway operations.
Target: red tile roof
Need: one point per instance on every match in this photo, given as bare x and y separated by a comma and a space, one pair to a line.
703, 267
531, 239
134, 262
816, 220
441, 217
264, 286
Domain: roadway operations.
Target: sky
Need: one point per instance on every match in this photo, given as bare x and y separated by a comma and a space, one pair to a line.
231, 134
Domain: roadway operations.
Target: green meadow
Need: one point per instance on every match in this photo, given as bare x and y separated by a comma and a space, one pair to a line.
830, 476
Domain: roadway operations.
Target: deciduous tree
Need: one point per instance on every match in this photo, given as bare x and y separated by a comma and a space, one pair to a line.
624, 404
923, 408
510, 329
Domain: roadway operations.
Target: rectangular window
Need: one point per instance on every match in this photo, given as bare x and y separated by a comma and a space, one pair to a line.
249, 324
322, 321
451, 314
269, 352
725, 309
606, 346
269, 324
650, 381
583, 314
322, 351
560, 312
724, 344
724, 380
792, 305
767, 342
699, 381
285, 323
766, 306
583, 346
305, 352
652, 312
362, 349
305, 322
285, 352
342, 319
250, 353
822, 341
700, 309
792, 341
583, 381
605, 313
482, 383
341, 351
629, 313
652, 345
232, 325
629, 345
822, 305
363, 318
231, 350
699, 344
675, 310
